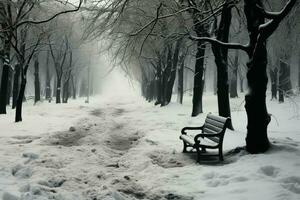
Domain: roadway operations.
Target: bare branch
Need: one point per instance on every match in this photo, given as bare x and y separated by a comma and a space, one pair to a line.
51, 18
223, 44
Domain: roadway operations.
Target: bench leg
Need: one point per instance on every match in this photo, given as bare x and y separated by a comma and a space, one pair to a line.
198, 154
184, 147
203, 149
221, 155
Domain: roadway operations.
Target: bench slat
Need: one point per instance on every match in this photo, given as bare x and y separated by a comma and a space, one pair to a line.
188, 139
212, 127
208, 131
215, 123
217, 118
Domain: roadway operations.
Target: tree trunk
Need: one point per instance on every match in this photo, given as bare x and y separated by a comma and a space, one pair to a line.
165, 76
273, 76
299, 74
5, 73
221, 60
4, 87
284, 78
9, 86
198, 80
241, 84
180, 82
258, 118
37, 88
48, 79
73, 87
16, 85
66, 92
158, 85
54, 86
233, 81
18, 117
58, 90
215, 83
174, 66
173, 69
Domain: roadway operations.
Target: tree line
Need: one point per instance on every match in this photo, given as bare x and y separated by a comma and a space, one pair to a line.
161, 41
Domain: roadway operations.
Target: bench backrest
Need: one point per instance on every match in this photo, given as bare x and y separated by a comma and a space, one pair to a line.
215, 124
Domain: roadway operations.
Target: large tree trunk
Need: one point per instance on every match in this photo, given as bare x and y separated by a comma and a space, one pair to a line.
16, 85
233, 81
37, 88
5, 73
221, 60
198, 80
258, 118
4, 88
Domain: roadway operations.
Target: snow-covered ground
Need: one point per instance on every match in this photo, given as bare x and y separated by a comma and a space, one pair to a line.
122, 147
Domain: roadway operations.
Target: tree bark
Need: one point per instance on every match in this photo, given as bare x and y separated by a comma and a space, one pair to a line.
198, 80
18, 116
4, 88
180, 82
258, 118
66, 92
16, 85
54, 86
158, 84
5, 72
58, 90
221, 60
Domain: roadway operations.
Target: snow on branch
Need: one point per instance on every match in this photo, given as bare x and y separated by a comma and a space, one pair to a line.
223, 44
269, 27
277, 15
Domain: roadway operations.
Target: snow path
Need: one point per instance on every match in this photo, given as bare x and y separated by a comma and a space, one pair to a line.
124, 148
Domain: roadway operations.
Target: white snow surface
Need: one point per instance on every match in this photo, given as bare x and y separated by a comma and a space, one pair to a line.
122, 147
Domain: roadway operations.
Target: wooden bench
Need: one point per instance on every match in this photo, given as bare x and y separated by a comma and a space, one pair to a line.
211, 136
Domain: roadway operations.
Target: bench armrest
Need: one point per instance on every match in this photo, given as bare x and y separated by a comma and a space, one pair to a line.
183, 131
203, 135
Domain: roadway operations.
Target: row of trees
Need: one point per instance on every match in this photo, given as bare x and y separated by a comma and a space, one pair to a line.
158, 40
37, 37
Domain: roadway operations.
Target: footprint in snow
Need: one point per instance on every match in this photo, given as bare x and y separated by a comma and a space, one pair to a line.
53, 182
291, 183
269, 170
21, 171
